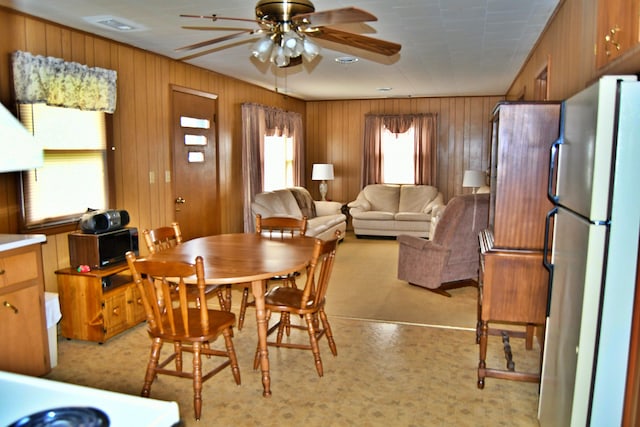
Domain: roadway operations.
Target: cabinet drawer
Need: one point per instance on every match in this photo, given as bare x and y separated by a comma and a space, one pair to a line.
18, 268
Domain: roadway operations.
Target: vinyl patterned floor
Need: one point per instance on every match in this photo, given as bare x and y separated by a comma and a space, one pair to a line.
385, 374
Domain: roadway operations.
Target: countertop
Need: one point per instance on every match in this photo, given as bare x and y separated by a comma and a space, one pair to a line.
13, 241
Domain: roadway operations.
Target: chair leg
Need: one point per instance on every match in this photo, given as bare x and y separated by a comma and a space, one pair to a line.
197, 380
149, 376
282, 325
177, 348
222, 300
314, 344
228, 297
243, 307
327, 331
235, 370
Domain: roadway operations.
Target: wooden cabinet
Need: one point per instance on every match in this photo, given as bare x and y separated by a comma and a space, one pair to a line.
99, 304
513, 285
23, 329
522, 134
617, 29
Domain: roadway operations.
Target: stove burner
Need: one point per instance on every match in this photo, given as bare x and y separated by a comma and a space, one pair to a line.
65, 417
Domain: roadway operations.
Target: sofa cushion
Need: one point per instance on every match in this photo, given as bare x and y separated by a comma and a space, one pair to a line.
276, 203
433, 204
383, 197
377, 215
412, 216
413, 198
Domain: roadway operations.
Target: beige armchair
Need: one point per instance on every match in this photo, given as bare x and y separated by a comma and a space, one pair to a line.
450, 259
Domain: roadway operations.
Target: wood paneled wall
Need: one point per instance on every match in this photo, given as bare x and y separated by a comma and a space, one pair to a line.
568, 46
335, 129
141, 125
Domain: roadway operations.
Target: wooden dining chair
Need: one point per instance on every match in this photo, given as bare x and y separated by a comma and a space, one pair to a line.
307, 303
188, 329
161, 238
274, 228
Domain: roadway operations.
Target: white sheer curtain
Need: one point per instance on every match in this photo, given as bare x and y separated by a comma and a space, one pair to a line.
258, 121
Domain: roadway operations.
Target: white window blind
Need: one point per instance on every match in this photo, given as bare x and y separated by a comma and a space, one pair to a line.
74, 175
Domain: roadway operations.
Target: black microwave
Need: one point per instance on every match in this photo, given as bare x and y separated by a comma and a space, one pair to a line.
102, 249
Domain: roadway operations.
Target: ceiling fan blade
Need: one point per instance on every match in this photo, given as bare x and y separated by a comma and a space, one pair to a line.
345, 15
214, 18
187, 27
213, 41
356, 40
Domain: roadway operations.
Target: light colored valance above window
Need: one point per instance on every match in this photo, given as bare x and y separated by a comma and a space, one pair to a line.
40, 79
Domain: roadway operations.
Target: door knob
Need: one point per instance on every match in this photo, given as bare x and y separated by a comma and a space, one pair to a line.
180, 200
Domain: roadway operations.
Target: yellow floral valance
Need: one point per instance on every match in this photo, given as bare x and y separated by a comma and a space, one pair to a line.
44, 79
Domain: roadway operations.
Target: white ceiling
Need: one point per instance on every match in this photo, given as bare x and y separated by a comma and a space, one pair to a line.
449, 47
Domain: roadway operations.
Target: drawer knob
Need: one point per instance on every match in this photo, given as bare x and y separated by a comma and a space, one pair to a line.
11, 306
2, 270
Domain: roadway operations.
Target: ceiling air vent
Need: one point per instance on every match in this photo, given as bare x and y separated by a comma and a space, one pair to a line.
114, 23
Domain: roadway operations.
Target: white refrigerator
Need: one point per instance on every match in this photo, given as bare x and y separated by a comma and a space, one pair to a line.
594, 251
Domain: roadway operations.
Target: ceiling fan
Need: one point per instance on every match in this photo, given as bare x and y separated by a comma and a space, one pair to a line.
287, 27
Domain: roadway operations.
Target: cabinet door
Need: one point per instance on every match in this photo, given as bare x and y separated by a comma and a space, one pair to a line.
617, 29
115, 312
523, 135
135, 313
21, 332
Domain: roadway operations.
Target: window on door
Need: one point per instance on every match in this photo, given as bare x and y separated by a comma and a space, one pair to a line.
74, 176
398, 157
277, 163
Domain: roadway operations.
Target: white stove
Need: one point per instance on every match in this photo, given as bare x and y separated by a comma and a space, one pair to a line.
22, 395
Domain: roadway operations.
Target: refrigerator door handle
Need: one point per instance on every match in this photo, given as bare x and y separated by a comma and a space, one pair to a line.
552, 166
545, 253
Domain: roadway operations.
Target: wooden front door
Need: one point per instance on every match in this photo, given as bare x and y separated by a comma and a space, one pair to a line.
195, 163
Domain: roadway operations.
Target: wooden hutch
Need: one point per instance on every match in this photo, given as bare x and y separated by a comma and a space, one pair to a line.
513, 283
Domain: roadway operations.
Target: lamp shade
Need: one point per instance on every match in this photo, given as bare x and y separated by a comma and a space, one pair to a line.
473, 179
322, 171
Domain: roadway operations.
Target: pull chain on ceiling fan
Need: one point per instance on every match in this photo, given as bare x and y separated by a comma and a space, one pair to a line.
287, 27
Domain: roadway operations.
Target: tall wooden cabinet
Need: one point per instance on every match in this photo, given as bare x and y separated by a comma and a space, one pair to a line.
513, 283
23, 329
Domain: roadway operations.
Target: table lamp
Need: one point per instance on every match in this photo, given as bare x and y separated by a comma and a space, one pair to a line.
473, 179
322, 172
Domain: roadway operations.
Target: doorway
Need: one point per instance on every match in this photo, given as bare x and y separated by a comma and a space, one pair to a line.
195, 162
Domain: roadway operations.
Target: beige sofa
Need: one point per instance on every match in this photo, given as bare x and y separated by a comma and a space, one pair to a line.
391, 210
324, 218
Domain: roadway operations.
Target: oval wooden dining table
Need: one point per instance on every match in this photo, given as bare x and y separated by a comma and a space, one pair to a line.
241, 258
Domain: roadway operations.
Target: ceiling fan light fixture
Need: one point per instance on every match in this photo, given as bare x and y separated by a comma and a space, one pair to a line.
262, 49
310, 50
279, 57
293, 44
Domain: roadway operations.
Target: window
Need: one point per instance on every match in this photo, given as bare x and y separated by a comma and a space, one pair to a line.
398, 145
74, 175
277, 163
398, 157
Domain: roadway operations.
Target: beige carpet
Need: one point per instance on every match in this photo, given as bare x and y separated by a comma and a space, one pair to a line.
364, 286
